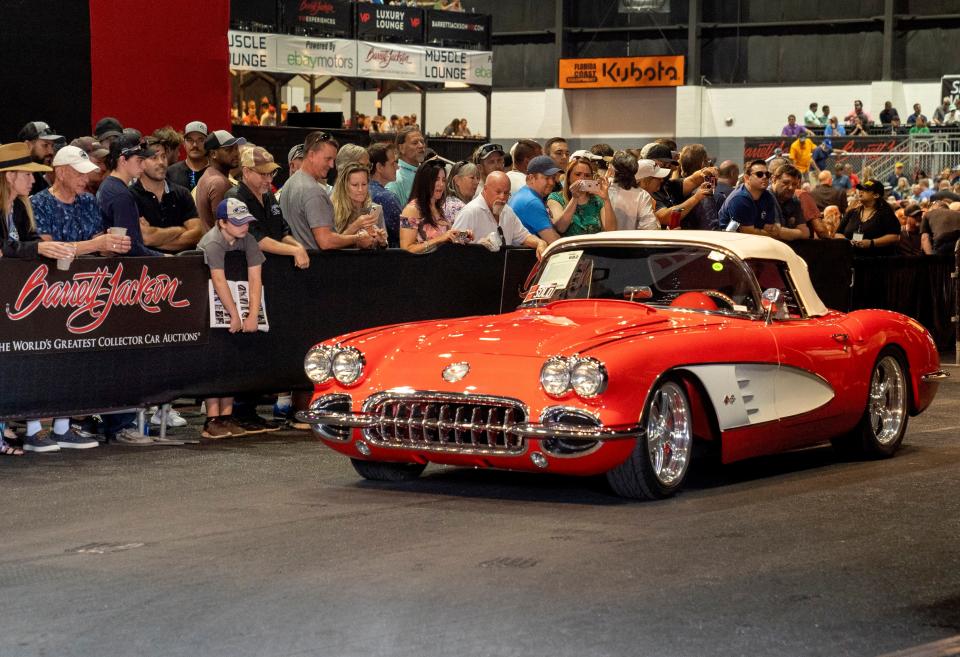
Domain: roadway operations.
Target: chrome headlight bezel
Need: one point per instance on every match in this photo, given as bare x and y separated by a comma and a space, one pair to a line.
584, 375
318, 363
347, 365
588, 377
555, 376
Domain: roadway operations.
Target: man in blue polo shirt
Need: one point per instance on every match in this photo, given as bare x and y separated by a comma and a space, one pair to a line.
528, 203
753, 210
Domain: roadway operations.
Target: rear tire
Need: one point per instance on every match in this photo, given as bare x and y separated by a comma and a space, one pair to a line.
659, 462
884, 423
387, 471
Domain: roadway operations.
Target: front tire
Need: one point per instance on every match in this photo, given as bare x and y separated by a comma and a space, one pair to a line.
884, 422
658, 464
386, 471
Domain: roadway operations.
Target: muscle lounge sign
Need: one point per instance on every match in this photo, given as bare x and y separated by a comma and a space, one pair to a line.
102, 304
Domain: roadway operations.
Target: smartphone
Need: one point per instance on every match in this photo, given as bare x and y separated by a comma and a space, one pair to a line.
589, 186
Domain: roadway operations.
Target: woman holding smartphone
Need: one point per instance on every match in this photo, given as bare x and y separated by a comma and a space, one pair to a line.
422, 224
872, 227
353, 210
583, 205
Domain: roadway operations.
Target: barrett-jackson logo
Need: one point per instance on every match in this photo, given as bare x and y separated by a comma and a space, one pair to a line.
386, 57
314, 7
94, 294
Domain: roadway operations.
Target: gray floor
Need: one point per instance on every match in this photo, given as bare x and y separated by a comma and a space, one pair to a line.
274, 546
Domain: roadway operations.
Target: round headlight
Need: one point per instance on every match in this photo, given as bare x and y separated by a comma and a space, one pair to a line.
347, 365
588, 377
318, 364
555, 377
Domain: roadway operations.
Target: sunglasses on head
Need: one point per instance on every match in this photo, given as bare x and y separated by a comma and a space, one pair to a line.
314, 139
486, 149
134, 150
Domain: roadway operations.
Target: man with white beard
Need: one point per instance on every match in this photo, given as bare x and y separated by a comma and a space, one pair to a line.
491, 220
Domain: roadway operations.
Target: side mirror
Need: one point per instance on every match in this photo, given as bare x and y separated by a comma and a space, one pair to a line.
771, 300
641, 292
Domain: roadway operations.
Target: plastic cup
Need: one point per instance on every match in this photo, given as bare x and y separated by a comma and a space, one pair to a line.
117, 230
63, 264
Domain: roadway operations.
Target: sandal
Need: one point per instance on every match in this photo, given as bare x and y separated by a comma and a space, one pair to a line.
8, 450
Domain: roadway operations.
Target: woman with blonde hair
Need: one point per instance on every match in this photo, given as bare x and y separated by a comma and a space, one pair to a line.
353, 210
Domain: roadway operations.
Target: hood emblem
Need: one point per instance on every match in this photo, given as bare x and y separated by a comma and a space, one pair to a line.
455, 371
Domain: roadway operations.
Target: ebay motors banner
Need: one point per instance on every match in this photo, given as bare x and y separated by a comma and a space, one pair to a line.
256, 51
388, 61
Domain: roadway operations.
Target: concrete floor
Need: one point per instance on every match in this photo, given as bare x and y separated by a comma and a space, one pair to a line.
274, 546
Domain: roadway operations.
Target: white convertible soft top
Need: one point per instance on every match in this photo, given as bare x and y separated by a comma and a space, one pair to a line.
741, 245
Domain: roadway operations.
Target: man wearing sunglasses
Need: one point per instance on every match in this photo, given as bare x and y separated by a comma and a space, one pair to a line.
168, 215
751, 208
257, 169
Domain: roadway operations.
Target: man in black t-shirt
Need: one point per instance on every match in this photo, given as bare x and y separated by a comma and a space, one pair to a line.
271, 231
168, 215
187, 172
786, 181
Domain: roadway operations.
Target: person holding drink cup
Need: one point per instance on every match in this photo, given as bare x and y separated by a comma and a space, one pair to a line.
18, 231
66, 212
117, 202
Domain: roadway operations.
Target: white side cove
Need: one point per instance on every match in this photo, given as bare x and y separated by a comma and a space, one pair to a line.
744, 394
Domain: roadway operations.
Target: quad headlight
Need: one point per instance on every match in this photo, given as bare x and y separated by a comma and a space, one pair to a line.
345, 364
586, 376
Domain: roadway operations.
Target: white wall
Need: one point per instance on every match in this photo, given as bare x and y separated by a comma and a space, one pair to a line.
611, 113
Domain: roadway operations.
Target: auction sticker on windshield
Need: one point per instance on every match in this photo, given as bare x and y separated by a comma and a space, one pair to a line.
556, 275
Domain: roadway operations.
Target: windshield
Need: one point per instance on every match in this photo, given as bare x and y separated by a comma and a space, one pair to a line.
684, 276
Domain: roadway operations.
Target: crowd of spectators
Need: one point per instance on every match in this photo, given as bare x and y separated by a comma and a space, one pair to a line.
857, 121
117, 193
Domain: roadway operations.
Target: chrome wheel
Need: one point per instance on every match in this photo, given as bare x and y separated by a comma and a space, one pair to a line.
887, 405
669, 434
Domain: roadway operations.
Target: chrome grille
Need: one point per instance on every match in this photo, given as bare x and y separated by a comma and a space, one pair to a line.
446, 422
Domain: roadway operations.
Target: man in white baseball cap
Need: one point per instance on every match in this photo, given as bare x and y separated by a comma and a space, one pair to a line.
187, 172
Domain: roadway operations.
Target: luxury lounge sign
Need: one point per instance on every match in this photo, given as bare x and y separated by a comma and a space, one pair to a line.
619, 72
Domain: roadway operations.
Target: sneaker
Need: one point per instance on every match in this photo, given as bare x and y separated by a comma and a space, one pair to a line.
235, 428
174, 419
283, 407
72, 440
216, 428
40, 442
257, 424
130, 436
81, 429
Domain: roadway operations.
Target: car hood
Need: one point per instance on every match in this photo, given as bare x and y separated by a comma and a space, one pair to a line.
562, 327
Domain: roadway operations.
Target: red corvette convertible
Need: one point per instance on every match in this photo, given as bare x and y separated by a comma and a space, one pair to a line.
628, 348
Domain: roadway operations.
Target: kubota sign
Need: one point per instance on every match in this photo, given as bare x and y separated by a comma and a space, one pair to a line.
605, 72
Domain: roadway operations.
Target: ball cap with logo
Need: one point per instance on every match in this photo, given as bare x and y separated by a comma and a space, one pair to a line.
259, 159
38, 130
543, 164
196, 126
235, 211
871, 185
75, 157
222, 139
649, 169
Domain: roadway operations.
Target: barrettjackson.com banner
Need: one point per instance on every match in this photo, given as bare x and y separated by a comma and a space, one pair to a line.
102, 303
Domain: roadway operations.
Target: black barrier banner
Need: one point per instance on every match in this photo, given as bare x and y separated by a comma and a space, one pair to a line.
99, 303
458, 26
315, 17
765, 147
374, 21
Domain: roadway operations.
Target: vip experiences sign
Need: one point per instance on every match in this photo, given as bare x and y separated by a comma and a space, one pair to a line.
100, 303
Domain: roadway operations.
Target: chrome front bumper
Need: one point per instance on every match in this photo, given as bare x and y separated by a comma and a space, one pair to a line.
524, 429
935, 377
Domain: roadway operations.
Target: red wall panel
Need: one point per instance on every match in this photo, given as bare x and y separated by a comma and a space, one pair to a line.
160, 63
